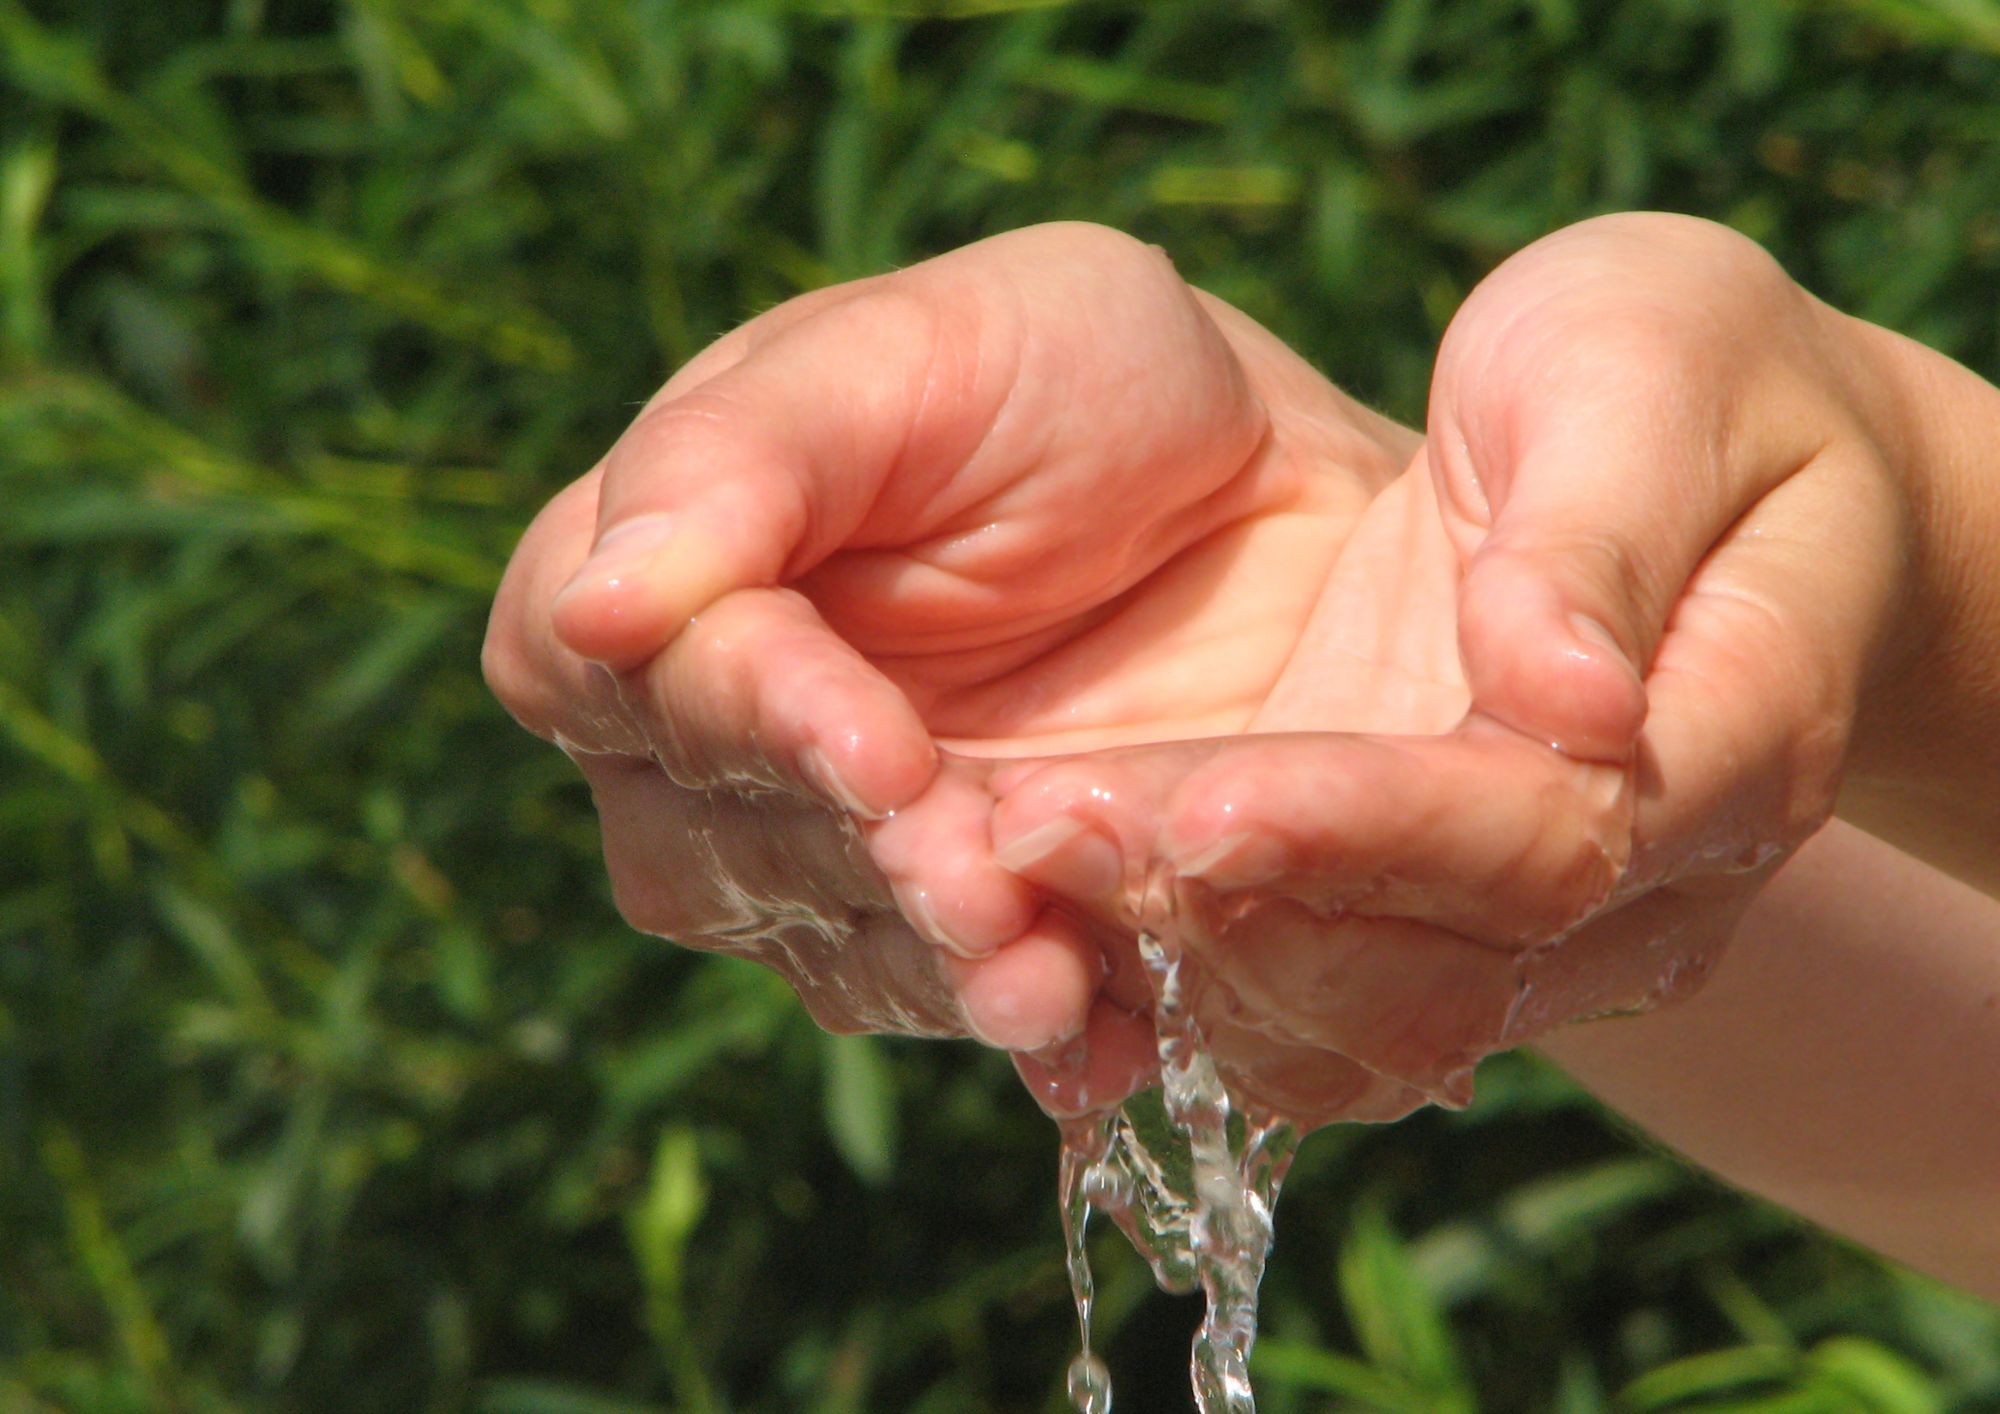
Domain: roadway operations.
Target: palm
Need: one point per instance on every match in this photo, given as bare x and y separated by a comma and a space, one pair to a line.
1181, 566
1313, 590
1033, 499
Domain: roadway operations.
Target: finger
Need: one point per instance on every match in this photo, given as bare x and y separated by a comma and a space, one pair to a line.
752, 477
901, 418
746, 338
1590, 444
762, 692
790, 886
1480, 831
759, 691
794, 886
704, 867
1407, 1001
1331, 882
937, 855
786, 884
1304, 1084
1116, 1057
1087, 828
553, 691
549, 689
1034, 992
1755, 686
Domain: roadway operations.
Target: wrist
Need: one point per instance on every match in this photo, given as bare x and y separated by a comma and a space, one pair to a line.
1924, 767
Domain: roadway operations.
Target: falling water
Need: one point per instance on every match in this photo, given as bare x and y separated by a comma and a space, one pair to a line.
1191, 1179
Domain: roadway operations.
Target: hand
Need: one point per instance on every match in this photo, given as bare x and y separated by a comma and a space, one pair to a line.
1787, 518
1648, 447
1036, 496
1653, 448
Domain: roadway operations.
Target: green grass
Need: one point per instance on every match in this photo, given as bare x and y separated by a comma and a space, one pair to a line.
329, 1078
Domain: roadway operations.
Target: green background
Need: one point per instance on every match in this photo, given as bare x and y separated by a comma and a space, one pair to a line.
329, 1078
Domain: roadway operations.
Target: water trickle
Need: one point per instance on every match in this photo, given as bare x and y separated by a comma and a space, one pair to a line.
1189, 1171
1089, 1380
1190, 1176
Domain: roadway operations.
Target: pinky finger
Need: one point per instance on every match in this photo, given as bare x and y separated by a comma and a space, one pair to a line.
1116, 1057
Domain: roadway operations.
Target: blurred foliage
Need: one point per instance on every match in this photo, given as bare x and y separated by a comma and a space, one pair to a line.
328, 1077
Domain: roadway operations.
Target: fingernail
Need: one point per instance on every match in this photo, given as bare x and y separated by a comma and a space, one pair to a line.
819, 769
1026, 851
999, 1020
1598, 636
1067, 856
627, 549
1239, 859
916, 906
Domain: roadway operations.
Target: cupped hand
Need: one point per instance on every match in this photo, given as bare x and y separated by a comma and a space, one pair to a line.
1033, 497
1657, 530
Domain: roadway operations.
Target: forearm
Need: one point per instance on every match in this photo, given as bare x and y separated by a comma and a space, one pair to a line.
1925, 767
1844, 1061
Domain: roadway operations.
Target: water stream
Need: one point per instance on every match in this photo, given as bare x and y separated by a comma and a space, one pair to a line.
1189, 1176
1189, 1171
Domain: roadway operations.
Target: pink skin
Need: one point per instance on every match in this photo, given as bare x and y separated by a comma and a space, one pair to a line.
896, 553
1750, 551
1037, 497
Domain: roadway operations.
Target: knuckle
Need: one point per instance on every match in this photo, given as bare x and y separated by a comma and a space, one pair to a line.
709, 425
1636, 300
1093, 241
897, 312
1708, 249
1100, 262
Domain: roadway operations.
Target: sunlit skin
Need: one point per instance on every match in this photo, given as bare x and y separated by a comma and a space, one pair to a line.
1038, 497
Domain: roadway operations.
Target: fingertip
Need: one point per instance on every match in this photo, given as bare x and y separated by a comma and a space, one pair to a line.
1613, 694
1547, 670
939, 862
872, 771
1065, 856
851, 734
1080, 827
607, 622
1116, 1057
1567, 697
644, 582
1034, 992
950, 919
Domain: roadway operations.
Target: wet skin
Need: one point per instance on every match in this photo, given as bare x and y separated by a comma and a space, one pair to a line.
1038, 498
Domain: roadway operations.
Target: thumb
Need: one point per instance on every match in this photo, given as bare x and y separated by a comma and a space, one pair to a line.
1580, 516
1554, 633
754, 475
1591, 443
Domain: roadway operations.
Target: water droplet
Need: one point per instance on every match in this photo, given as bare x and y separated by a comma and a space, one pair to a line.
1090, 1384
